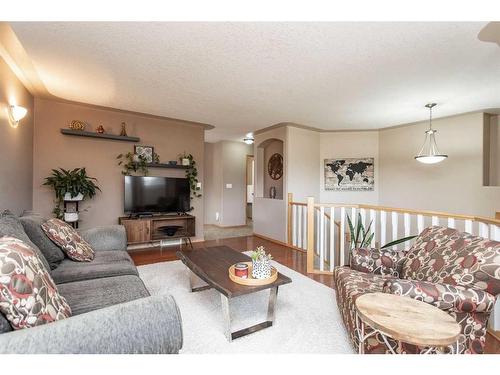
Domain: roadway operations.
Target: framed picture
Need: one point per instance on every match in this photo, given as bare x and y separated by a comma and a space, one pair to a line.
349, 174
145, 151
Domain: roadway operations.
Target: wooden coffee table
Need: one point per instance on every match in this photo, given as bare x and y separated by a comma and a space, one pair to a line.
405, 320
211, 265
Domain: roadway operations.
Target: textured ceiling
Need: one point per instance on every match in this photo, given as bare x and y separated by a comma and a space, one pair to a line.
242, 77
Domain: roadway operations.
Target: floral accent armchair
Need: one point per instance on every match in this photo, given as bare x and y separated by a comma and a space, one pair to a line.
456, 272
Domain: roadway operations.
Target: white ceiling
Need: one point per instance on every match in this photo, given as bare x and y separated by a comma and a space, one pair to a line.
242, 77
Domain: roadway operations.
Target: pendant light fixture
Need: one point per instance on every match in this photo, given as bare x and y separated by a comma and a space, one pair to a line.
429, 153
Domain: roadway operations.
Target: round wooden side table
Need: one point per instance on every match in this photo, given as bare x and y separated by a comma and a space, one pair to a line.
404, 320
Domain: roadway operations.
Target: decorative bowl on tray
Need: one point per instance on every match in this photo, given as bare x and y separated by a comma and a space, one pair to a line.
250, 280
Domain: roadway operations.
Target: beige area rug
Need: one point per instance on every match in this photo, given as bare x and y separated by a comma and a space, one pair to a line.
307, 318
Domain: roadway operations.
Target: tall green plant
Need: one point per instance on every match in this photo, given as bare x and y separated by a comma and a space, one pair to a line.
361, 237
74, 182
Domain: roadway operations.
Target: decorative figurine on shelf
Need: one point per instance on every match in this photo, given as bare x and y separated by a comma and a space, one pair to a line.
156, 158
77, 125
272, 192
261, 263
123, 132
100, 129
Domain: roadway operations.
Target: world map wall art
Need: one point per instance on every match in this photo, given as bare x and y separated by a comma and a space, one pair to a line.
349, 174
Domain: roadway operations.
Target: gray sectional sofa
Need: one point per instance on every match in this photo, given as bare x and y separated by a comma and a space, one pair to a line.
112, 309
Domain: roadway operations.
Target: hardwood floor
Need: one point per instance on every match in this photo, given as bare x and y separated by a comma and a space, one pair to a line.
290, 258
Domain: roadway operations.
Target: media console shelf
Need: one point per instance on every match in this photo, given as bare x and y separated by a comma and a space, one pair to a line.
149, 229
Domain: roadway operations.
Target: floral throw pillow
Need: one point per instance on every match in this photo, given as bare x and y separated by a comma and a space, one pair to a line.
28, 295
64, 236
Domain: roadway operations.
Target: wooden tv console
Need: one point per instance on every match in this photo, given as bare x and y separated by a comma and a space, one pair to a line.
146, 229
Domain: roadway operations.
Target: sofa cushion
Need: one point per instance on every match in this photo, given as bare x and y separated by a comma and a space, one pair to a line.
447, 256
29, 296
4, 324
105, 264
11, 226
68, 239
386, 262
88, 295
33, 227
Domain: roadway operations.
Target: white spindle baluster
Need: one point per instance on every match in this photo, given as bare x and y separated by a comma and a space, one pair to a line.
483, 230
321, 238
435, 220
299, 226
492, 232
373, 219
407, 224
451, 222
342, 236
362, 211
383, 227
394, 221
316, 231
305, 228
468, 226
496, 233
294, 225
332, 238
420, 223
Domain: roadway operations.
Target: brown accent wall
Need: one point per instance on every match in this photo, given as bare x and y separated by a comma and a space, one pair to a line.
53, 150
16, 145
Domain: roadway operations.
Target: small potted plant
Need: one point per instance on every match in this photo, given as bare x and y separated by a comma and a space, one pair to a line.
261, 263
70, 185
185, 159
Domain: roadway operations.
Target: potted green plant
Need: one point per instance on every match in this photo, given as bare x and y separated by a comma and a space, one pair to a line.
70, 185
133, 163
361, 237
261, 263
185, 159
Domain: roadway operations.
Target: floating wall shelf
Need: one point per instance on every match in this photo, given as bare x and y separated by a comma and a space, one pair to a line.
112, 137
166, 165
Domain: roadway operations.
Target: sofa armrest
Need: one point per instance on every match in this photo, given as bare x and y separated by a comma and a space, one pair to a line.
379, 262
109, 237
147, 325
447, 297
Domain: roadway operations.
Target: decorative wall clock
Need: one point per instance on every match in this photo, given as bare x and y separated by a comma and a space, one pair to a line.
275, 166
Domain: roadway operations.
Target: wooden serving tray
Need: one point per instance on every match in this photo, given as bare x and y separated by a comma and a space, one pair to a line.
250, 281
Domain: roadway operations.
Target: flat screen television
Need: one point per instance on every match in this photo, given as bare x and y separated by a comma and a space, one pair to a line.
147, 195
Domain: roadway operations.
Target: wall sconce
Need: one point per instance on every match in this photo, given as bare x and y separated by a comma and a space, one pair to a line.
16, 114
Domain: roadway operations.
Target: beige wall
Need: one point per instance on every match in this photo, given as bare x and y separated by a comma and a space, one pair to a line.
54, 150
269, 215
16, 145
349, 145
226, 162
454, 185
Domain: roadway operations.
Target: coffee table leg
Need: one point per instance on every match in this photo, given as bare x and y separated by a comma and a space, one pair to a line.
195, 280
271, 310
227, 317
271, 307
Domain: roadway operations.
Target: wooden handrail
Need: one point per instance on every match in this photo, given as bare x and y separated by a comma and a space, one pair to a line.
481, 219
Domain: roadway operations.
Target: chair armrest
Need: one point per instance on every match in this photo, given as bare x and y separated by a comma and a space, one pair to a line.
109, 237
447, 297
379, 262
146, 325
